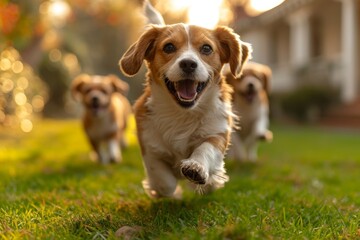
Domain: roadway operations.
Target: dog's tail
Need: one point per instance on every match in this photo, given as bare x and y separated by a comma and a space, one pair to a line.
152, 15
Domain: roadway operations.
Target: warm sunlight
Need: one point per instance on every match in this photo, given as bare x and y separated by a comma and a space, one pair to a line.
262, 6
205, 13
181, 4
58, 10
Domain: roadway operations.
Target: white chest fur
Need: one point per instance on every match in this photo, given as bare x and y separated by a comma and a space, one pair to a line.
102, 126
174, 131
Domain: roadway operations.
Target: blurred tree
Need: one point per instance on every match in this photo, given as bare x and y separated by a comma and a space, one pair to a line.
19, 23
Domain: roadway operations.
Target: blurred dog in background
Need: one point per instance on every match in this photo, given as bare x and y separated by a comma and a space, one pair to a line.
106, 113
251, 104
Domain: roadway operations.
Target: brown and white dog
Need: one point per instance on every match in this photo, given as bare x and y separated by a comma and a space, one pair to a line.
184, 117
106, 113
251, 103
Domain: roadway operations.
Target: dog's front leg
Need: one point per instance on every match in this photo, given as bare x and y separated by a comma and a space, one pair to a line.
114, 150
261, 126
252, 146
97, 154
161, 181
205, 166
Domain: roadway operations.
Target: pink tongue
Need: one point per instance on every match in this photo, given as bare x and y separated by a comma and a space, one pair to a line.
186, 89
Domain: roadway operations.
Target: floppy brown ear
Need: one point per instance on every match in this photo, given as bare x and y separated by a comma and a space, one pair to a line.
246, 54
77, 84
232, 49
266, 77
132, 59
119, 85
226, 72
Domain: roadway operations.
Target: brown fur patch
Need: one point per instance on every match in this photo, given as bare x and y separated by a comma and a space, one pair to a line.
221, 141
140, 111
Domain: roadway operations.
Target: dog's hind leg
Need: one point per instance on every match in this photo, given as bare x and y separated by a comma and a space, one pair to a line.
237, 149
96, 153
161, 181
252, 147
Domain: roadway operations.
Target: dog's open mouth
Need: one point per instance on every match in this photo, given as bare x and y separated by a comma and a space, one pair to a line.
249, 95
95, 107
186, 92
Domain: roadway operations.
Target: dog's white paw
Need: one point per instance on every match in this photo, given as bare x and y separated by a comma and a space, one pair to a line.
194, 172
267, 136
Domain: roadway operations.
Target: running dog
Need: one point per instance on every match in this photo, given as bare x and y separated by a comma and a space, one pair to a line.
184, 117
251, 103
106, 113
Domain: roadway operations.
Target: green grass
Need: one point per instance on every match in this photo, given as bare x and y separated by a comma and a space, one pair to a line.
306, 185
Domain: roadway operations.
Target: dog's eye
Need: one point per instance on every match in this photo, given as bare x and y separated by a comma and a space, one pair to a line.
169, 48
206, 49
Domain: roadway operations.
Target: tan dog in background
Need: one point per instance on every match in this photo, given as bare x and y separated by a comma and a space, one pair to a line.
106, 113
184, 117
251, 103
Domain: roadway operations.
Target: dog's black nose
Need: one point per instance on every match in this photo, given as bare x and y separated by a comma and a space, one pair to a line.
188, 65
95, 102
251, 87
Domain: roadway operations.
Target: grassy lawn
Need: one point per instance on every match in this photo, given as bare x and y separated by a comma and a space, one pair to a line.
306, 185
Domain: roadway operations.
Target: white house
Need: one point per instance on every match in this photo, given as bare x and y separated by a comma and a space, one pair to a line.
316, 39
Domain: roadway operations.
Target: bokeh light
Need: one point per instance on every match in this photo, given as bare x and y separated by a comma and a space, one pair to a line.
20, 98
72, 63
208, 18
22, 83
58, 12
205, 13
38, 103
22, 93
5, 64
55, 55
17, 67
6, 85
26, 125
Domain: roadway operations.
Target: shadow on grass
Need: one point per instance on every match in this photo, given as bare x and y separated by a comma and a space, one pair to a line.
161, 218
155, 218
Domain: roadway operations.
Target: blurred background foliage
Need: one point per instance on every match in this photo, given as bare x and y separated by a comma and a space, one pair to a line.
44, 44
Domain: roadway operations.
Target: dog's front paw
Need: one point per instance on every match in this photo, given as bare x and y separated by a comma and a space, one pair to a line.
267, 136
194, 171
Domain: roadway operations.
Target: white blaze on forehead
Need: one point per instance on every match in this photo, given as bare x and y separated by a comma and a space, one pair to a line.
97, 79
187, 30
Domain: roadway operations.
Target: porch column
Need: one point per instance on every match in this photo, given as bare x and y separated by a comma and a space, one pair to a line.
300, 45
349, 29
